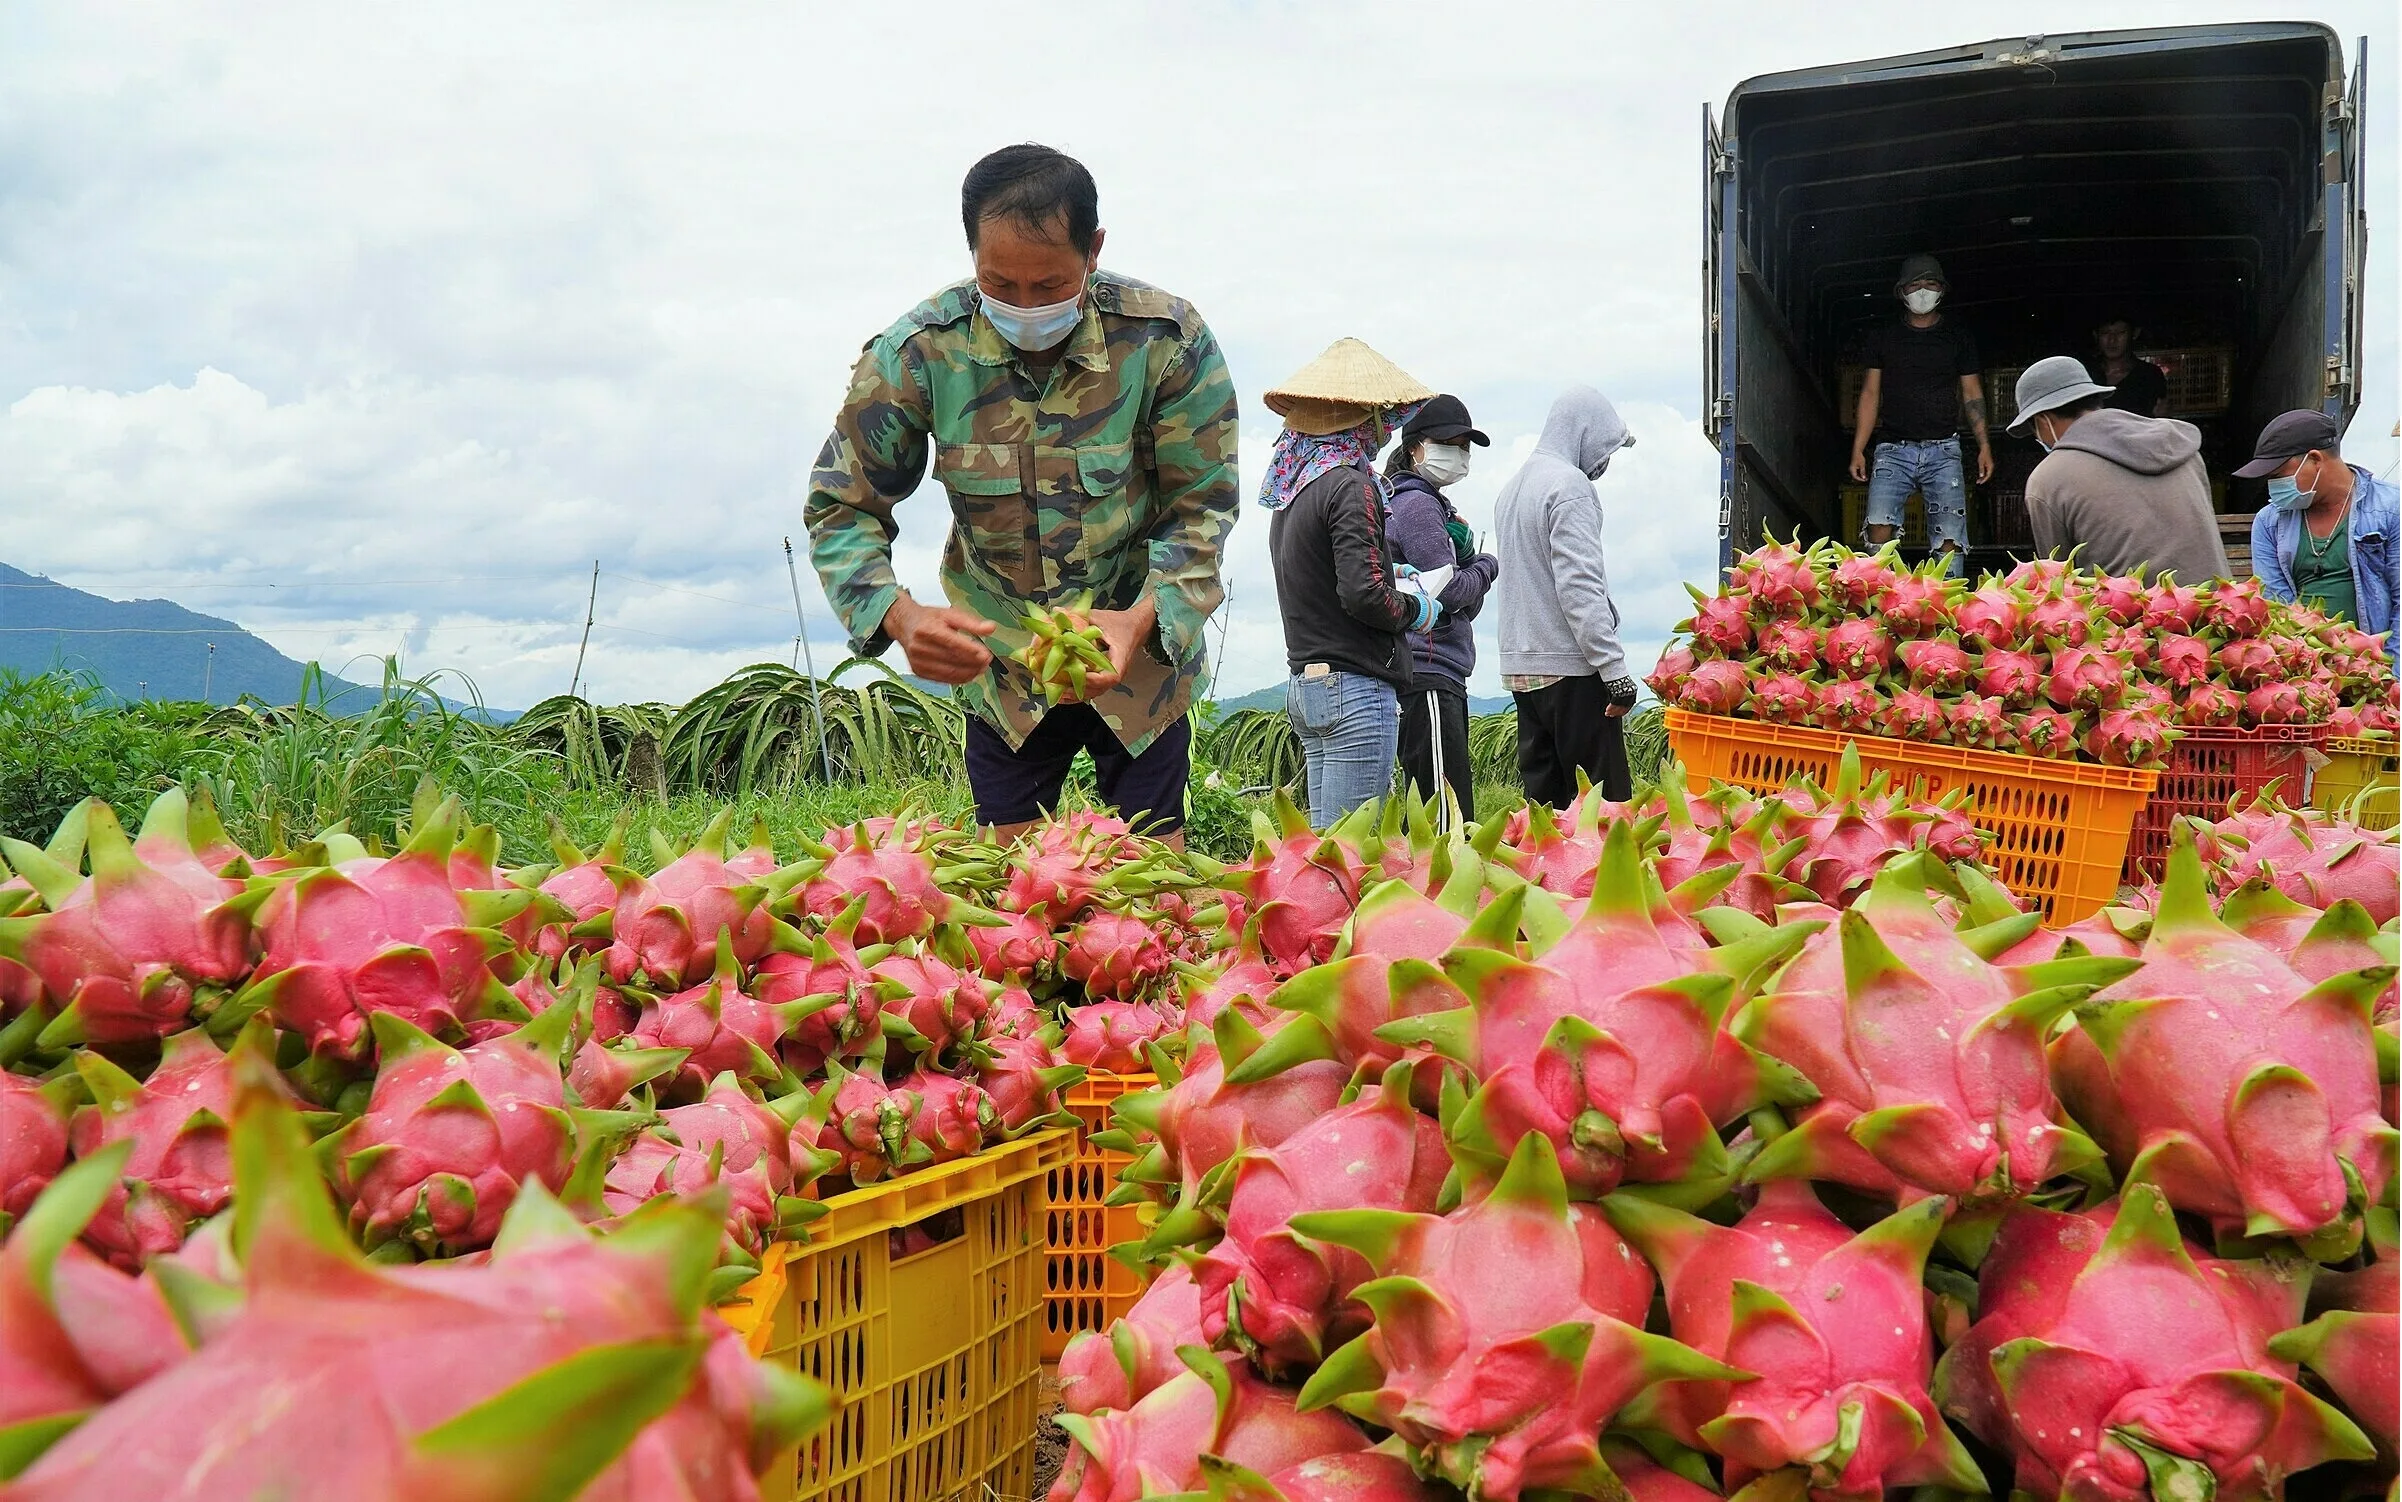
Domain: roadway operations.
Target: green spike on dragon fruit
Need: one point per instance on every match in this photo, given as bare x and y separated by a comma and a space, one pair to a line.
1500, 1384
1608, 1044
735, 1142
1215, 1408
2246, 1093
2110, 1357
2355, 1343
1928, 1059
1119, 1367
530, 1375
1835, 1326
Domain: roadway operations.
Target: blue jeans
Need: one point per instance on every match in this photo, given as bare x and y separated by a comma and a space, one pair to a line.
1931, 470
1350, 726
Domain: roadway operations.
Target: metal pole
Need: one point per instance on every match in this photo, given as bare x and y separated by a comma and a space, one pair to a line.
590, 601
817, 707
208, 672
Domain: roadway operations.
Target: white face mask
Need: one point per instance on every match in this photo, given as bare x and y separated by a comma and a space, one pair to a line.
1923, 300
1441, 464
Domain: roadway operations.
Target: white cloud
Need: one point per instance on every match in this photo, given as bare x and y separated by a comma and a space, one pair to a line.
325, 296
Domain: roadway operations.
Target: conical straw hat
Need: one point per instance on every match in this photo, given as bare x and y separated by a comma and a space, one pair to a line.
1345, 382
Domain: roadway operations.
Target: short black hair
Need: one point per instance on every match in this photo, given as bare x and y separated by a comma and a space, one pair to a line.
2081, 405
1034, 186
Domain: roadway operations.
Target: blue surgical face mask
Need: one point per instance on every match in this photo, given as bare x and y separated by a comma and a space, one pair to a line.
1033, 329
2286, 494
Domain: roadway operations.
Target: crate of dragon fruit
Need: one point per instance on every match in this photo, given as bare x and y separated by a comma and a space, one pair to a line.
2210, 768
1087, 1289
2360, 781
920, 1301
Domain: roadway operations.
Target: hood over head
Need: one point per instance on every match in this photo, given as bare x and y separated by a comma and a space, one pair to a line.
1583, 430
2146, 445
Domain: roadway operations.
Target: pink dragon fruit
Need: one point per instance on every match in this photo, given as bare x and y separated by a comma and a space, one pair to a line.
33, 1139
2129, 738
1928, 1059
2015, 678
864, 1123
1021, 947
2239, 607
719, 1027
2182, 660
1914, 716
1058, 872
2039, 574
1720, 625
830, 1002
2249, 663
1116, 956
1109, 1035
930, 1003
1789, 646
601, 1076
1916, 604
1976, 721
2262, 1117
586, 888
2081, 678
730, 1140
1849, 832
892, 870
1667, 678
1242, 978
180, 1173
2121, 598
1995, 616
2210, 702
2355, 1344
1499, 1385
2130, 644
1215, 1408
1285, 1301
1783, 699
2110, 1360
1366, 1476
2048, 732
2274, 704
1137, 1355
449, 1137
2060, 620
371, 935
1833, 1324
1023, 1079
666, 926
1780, 580
1858, 649
950, 1118
1717, 687
529, 1372
1856, 582
1936, 665
148, 941
1301, 887
2172, 607
1848, 707
2311, 857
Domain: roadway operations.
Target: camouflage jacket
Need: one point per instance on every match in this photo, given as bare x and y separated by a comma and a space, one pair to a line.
1112, 474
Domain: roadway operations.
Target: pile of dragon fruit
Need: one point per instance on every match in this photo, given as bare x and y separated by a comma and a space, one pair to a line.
1563, 1154
2048, 660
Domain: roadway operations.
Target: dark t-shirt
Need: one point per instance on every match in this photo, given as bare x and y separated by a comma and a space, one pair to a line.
2140, 392
1919, 398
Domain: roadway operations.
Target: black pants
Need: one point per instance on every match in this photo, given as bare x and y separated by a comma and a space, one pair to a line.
1434, 718
1561, 730
1018, 787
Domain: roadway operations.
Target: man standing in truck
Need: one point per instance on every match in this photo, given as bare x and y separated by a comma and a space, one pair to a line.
2329, 535
1921, 384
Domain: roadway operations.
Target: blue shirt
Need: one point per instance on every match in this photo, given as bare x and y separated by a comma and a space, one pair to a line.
2375, 539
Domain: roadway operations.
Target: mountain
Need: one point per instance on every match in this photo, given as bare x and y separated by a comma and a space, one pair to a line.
139, 648
1272, 697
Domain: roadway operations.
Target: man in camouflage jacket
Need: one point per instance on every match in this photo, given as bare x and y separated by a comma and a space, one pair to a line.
1083, 426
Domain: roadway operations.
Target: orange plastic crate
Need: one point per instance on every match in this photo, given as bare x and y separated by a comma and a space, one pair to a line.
1088, 1288
2059, 827
936, 1353
2206, 770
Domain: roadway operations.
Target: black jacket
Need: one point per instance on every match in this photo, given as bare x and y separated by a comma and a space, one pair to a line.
1334, 580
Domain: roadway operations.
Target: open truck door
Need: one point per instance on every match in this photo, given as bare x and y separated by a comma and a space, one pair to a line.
1718, 335
2347, 176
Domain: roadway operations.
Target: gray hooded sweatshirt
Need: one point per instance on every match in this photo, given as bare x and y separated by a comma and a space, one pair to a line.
2128, 492
1557, 619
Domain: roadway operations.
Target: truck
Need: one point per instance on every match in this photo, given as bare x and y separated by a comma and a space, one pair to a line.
2203, 182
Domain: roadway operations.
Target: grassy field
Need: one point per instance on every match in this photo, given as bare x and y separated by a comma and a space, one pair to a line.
795, 755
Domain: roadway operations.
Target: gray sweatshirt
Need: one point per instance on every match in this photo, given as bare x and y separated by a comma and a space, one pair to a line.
2128, 492
1557, 619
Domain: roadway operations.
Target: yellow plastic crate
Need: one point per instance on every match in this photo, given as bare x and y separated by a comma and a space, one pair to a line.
936, 1353
2362, 768
1088, 1288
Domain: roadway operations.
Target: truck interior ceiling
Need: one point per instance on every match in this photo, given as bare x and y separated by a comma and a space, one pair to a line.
2173, 180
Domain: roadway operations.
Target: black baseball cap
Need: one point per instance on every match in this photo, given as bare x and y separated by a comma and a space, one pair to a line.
2288, 437
1445, 420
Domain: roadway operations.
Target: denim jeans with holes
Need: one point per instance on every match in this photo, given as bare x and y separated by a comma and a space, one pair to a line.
1350, 726
1931, 470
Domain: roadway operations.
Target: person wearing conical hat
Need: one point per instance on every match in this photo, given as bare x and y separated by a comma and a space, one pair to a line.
1348, 603
1083, 426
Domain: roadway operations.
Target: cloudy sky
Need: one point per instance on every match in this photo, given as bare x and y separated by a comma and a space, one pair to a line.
372, 327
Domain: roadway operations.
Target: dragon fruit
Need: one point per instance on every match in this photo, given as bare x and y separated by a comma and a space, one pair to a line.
1058, 872
2015, 678
2239, 607
719, 1027
143, 947
449, 1137
1215, 1408
2249, 663
1716, 687
1914, 716
1023, 1079
1720, 625
1499, 1385
2182, 660
371, 935
2129, 738
527, 1374
2248, 1095
1849, 707
730, 1140
586, 888
1789, 646
2355, 1343
864, 1123
1137, 1355
179, 1174
1790, 1293
2110, 1359
1995, 616
1668, 677
830, 1002
1365, 1476
1241, 977
890, 869
1285, 1301
1301, 887
2210, 702
1783, 699
1936, 665
947, 1118
2274, 704
601, 1076
2121, 598
2311, 857
1021, 947
666, 926
1917, 604
1928, 1059
930, 1003
1844, 835
1116, 956
1779, 579
2082, 678
1856, 582
33, 1139
2048, 732
2060, 620
1109, 1035
2172, 606
1977, 721
1858, 649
